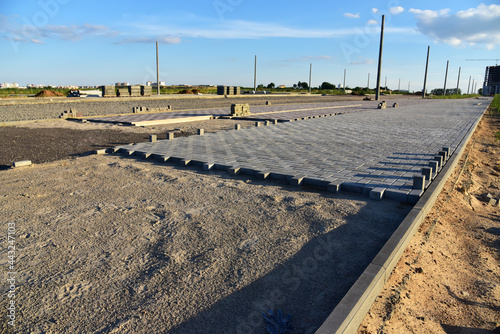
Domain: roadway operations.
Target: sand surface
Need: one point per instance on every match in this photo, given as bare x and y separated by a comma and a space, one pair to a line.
106, 244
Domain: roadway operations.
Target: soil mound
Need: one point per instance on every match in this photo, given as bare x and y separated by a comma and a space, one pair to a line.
48, 93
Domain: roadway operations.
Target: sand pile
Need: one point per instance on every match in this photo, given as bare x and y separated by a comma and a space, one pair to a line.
48, 93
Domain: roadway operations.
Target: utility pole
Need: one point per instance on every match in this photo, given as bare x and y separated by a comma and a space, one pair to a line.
377, 94
157, 70
310, 76
458, 81
446, 77
426, 70
409, 87
368, 85
345, 73
468, 87
385, 83
473, 89
255, 76
399, 85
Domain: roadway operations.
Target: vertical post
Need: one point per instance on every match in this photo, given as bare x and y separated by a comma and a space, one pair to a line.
345, 72
377, 94
385, 83
368, 85
157, 70
255, 75
409, 86
468, 87
446, 77
399, 85
458, 81
426, 70
310, 76
473, 90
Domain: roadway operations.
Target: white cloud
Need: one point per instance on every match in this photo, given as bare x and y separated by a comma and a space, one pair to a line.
148, 40
372, 22
363, 61
479, 25
396, 10
375, 10
352, 16
16, 32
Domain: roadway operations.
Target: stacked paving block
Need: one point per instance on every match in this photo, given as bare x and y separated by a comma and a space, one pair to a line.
123, 92
108, 91
228, 90
146, 90
71, 114
134, 90
240, 109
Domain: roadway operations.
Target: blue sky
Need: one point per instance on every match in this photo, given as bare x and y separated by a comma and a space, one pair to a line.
64, 42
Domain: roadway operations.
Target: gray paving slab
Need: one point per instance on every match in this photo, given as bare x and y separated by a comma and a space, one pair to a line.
372, 148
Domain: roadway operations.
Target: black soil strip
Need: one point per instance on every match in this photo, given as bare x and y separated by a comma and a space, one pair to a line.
50, 144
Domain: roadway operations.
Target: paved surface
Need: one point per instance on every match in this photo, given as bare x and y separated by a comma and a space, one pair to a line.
376, 152
282, 113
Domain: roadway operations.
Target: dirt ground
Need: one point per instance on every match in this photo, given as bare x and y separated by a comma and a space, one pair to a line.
110, 244
45, 141
448, 279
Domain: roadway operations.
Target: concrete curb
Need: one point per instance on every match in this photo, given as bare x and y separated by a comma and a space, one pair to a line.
349, 313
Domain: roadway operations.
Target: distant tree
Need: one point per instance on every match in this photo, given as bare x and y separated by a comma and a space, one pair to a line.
303, 85
260, 86
327, 85
271, 85
480, 91
295, 86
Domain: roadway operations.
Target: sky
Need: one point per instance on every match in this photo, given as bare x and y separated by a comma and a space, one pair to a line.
70, 42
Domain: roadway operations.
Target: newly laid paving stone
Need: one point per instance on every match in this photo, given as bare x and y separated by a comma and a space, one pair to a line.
355, 151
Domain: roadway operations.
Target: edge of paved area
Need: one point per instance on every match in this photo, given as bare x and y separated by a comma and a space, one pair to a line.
350, 312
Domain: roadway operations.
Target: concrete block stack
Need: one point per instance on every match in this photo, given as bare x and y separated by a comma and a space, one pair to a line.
240, 109
71, 114
134, 90
123, 92
146, 90
228, 90
108, 91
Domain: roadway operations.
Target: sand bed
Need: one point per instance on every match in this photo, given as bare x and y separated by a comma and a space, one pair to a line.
106, 244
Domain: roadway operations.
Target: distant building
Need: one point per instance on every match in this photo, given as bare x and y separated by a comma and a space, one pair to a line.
122, 84
491, 83
10, 85
154, 84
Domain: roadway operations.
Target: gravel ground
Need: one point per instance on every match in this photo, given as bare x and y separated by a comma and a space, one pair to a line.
45, 109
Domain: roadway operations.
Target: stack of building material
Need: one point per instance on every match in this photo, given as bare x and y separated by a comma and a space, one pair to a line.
228, 90
240, 109
108, 91
221, 90
146, 90
123, 92
134, 90
71, 114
